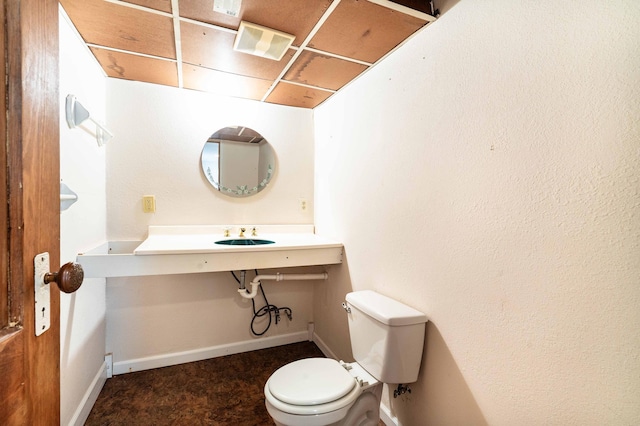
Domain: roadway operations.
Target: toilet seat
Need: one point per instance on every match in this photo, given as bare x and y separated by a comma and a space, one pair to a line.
311, 386
311, 381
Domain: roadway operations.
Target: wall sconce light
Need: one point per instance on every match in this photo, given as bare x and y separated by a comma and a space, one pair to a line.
67, 197
78, 114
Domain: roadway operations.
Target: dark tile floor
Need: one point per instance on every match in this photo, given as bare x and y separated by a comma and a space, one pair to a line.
219, 391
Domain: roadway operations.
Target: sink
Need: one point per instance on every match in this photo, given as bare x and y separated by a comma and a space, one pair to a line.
244, 242
210, 239
189, 249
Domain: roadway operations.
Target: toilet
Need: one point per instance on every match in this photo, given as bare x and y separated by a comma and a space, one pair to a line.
387, 339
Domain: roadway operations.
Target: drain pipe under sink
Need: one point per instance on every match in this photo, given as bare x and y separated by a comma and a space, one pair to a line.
279, 277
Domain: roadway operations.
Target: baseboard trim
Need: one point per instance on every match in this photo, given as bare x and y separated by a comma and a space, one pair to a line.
166, 360
386, 416
90, 397
323, 347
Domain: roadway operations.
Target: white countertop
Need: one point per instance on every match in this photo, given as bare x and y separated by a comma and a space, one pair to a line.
192, 249
201, 239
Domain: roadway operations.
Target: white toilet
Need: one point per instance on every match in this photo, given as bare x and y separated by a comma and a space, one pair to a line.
387, 338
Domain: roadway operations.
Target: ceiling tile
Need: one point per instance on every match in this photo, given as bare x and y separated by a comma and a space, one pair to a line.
208, 80
211, 48
237, 134
108, 24
161, 5
296, 17
324, 71
300, 96
363, 30
135, 67
203, 11
134, 39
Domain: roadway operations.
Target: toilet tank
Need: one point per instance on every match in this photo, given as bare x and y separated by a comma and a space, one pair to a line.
387, 337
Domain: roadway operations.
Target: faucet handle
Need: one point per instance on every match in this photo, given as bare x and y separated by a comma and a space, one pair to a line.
254, 231
226, 231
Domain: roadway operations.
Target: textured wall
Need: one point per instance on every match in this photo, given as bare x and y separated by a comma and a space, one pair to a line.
82, 226
487, 173
160, 133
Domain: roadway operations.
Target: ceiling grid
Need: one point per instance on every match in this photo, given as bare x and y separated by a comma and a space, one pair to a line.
184, 43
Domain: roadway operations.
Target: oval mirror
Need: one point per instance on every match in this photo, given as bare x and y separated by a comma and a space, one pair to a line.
238, 161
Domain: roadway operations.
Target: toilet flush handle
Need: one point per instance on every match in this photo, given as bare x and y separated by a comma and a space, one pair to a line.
346, 307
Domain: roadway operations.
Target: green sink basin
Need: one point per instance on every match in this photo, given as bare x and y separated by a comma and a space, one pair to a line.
244, 242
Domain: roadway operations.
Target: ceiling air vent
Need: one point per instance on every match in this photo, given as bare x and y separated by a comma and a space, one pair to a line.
262, 41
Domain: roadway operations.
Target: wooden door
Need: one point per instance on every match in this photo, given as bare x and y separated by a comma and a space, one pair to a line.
30, 219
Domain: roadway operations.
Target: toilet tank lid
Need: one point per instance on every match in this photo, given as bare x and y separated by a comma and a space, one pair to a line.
384, 309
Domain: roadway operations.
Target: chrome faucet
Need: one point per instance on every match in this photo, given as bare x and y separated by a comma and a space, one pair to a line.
242, 231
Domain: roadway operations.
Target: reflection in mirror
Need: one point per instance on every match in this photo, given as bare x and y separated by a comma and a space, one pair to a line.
238, 161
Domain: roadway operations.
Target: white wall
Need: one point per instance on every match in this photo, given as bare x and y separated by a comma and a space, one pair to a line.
160, 133
487, 173
82, 227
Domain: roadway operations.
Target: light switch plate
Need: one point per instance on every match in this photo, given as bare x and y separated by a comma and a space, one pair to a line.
42, 293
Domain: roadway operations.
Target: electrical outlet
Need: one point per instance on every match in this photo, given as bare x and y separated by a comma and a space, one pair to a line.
149, 203
302, 203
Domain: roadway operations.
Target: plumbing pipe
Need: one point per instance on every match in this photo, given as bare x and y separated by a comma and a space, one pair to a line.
243, 274
279, 277
254, 290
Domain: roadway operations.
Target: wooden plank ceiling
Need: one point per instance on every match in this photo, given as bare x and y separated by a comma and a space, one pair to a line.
335, 41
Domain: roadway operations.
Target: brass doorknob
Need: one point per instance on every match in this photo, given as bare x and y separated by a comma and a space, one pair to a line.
69, 278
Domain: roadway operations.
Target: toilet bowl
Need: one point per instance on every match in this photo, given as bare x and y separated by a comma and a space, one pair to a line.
321, 392
387, 339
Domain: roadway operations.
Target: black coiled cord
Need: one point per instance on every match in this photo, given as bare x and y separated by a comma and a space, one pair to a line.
267, 309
